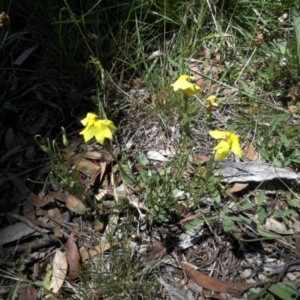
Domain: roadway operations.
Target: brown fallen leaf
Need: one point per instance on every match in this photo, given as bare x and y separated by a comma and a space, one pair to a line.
27, 291
136, 82
72, 202
86, 254
294, 92
237, 187
199, 157
75, 204
83, 165
102, 154
60, 266
56, 220
73, 258
250, 152
29, 212
293, 109
214, 284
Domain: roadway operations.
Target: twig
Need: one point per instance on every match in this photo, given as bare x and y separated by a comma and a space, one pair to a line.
43, 242
27, 222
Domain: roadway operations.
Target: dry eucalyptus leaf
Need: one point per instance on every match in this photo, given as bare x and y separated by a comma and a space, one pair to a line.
237, 187
73, 258
27, 291
24, 55
250, 152
86, 254
60, 266
214, 284
76, 205
15, 232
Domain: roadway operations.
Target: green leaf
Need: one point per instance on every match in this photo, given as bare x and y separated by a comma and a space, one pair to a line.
289, 288
294, 202
287, 212
286, 221
285, 140
21, 268
217, 196
9, 106
194, 223
13, 294
277, 120
261, 213
256, 227
277, 162
248, 205
261, 197
126, 174
287, 161
142, 159
279, 292
229, 225
282, 47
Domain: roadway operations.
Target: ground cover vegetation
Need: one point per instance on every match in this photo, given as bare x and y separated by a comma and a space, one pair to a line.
149, 149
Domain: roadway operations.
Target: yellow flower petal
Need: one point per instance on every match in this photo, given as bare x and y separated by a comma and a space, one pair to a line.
88, 133
222, 150
218, 134
212, 101
100, 129
235, 145
89, 119
187, 87
105, 129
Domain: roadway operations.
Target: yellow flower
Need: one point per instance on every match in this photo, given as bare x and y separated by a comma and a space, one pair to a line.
187, 87
94, 127
211, 101
229, 141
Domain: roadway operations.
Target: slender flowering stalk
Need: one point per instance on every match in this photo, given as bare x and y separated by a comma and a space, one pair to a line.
189, 88
95, 127
228, 141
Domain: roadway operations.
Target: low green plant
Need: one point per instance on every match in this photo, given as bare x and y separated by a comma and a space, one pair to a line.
279, 144
159, 194
63, 174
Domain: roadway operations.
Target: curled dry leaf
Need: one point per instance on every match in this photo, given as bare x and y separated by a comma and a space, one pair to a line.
250, 152
24, 55
56, 220
214, 284
201, 158
76, 205
86, 254
99, 155
73, 258
60, 266
72, 202
83, 165
237, 187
